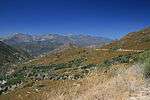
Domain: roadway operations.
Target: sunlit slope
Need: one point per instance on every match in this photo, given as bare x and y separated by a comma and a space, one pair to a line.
136, 40
122, 85
91, 55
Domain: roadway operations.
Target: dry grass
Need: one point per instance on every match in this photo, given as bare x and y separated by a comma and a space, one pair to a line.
93, 56
119, 83
119, 87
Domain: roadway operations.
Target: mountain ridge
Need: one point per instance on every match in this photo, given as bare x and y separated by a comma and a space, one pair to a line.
9, 55
49, 42
138, 40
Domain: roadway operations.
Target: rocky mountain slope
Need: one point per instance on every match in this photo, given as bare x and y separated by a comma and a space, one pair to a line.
9, 55
39, 44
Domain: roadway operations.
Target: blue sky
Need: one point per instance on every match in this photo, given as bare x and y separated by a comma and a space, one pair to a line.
107, 18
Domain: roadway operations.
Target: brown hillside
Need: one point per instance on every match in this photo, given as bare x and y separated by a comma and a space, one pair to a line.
136, 40
92, 55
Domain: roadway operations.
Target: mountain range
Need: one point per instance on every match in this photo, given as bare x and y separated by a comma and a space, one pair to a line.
39, 44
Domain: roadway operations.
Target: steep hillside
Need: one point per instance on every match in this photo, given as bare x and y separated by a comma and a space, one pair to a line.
136, 40
9, 55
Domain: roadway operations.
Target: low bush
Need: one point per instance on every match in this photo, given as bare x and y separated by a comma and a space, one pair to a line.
114, 48
105, 64
147, 68
121, 59
144, 58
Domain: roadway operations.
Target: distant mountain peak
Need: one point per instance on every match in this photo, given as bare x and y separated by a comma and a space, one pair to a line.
18, 38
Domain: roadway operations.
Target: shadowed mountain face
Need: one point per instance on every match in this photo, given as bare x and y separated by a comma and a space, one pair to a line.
39, 44
9, 55
136, 40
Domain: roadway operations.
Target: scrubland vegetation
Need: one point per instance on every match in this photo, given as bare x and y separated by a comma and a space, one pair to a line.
144, 58
117, 71
74, 70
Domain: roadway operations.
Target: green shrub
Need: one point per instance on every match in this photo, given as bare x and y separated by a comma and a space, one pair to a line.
144, 58
106, 64
114, 48
88, 66
3, 77
147, 68
121, 59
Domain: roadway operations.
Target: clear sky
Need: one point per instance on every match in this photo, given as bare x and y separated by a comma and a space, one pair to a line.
108, 18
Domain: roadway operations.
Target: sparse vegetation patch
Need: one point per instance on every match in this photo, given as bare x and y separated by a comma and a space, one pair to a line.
144, 58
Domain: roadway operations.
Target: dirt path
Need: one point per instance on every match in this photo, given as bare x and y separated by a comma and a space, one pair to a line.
129, 50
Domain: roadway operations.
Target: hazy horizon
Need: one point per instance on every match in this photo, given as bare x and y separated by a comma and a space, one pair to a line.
45, 33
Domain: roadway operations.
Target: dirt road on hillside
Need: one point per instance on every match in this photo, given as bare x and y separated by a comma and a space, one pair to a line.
129, 50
